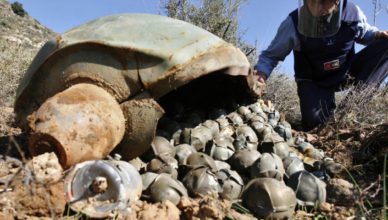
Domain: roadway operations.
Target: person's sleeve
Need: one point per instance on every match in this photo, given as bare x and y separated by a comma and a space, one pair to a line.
284, 42
366, 32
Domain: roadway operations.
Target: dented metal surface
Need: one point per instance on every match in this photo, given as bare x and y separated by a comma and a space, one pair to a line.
269, 198
231, 183
266, 194
309, 190
141, 118
137, 59
164, 187
122, 185
81, 123
201, 180
126, 54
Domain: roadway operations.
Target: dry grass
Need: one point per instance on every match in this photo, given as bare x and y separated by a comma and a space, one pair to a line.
360, 125
362, 106
281, 90
13, 63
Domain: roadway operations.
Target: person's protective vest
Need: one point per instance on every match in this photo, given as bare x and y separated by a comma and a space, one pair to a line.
326, 60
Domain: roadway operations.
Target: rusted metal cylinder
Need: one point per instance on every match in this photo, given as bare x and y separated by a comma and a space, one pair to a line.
141, 118
84, 122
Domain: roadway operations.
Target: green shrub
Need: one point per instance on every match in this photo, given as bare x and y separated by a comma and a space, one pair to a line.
18, 9
220, 17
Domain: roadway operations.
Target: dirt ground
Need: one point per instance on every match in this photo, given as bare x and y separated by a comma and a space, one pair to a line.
33, 189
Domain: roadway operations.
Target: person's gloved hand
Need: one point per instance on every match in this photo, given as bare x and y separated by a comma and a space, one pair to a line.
382, 34
256, 82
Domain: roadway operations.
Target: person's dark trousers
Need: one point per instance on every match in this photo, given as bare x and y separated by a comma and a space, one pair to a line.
317, 103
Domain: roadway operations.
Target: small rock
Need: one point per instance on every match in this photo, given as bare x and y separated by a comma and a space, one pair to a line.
161, 211
99, 184
341, 192
189, 207
325, 207
311, 138
236, 215
5, 215
332, 167
186, 202
138, 164
46, 168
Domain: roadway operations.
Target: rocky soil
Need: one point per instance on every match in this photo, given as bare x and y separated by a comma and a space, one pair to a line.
20, 39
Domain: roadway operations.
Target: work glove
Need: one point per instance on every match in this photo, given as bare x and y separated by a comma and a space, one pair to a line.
256, 82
